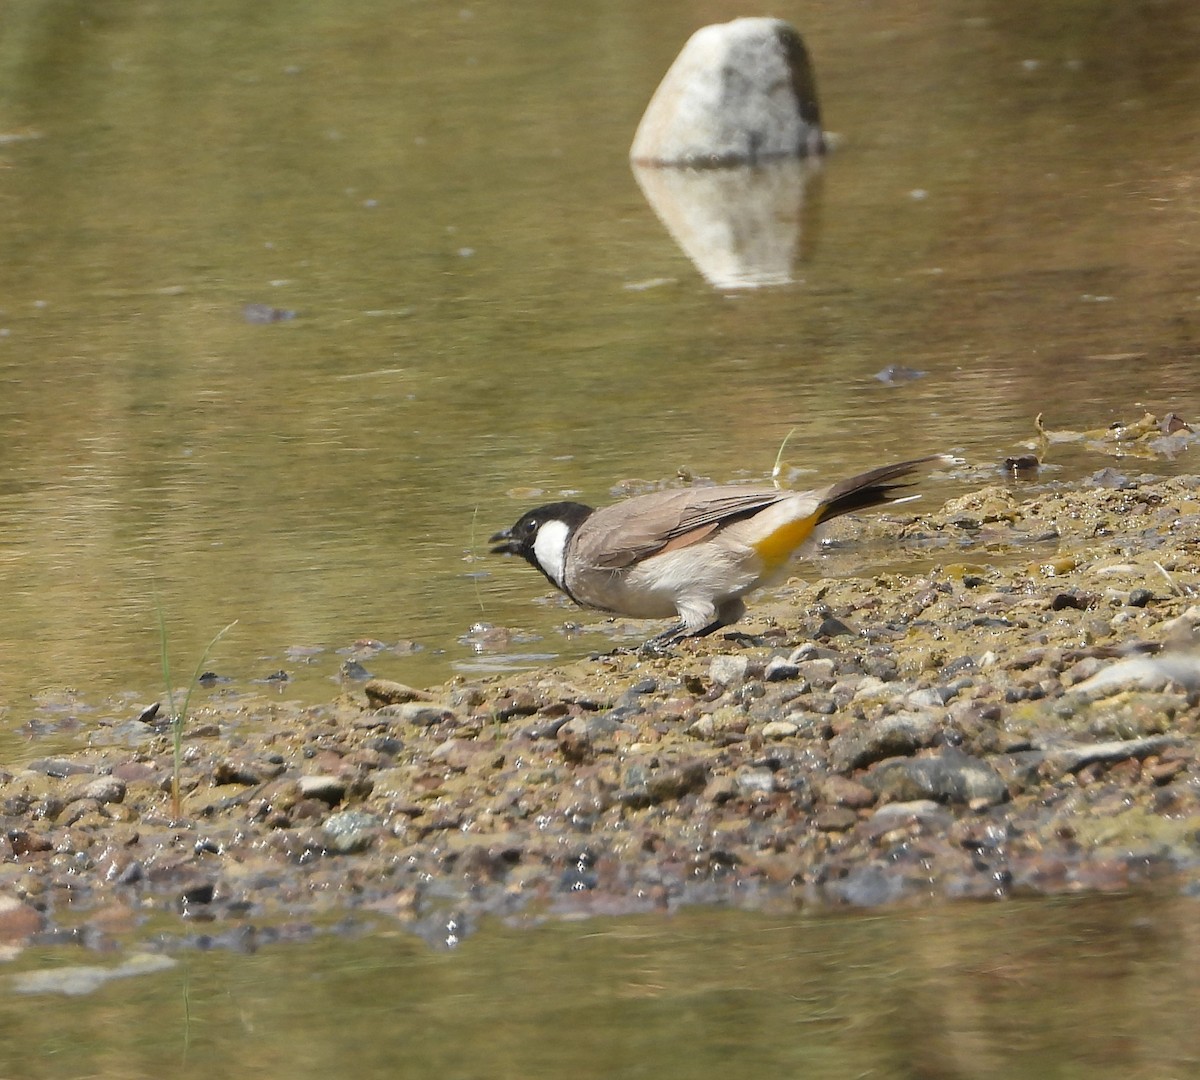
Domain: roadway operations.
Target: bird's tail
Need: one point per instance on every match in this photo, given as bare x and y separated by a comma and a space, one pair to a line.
875, 487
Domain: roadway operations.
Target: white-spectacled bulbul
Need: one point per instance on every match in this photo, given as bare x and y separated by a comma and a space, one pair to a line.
692, 553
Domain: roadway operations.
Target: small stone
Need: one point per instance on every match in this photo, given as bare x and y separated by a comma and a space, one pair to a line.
330, 790
24, 842
755, 781
841, 791
419, 714
516, 703
870, 686
353, 671
574, 740
1070, 758
642, 786
780, 669
81, 812
104, 789
278, 797
467, 697
897, 735
459, 754
134, 772
246, 773
892, 815
1140, 597
704, 728
928, 697
678, 780
59, 767
950, 777
350, 831
779, 729
820, 673
870, 885
835, 819
832, 627
264, 314
381, 692
720, 789
729, 671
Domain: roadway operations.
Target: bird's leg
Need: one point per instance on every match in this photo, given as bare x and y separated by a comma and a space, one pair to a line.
729, 612
660, 644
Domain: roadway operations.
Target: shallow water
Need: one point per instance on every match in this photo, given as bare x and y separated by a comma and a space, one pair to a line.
486, 309
1101, 986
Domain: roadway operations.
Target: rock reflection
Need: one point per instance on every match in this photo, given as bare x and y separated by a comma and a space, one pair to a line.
742, 225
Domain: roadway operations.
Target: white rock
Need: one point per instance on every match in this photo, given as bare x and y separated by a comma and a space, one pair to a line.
739, 93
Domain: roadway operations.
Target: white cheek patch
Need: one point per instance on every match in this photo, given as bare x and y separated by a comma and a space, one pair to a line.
550, 549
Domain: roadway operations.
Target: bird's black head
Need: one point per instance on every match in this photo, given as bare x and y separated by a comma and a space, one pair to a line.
522, 537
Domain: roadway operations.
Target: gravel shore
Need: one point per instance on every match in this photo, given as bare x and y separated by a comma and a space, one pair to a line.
1021, 718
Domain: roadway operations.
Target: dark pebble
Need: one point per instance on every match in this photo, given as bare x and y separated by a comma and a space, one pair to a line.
950, 777
832, 627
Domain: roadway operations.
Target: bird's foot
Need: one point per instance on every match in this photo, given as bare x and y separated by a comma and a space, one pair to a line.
740, 637
656, 647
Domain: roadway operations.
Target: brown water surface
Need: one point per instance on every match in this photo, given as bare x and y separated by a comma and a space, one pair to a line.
1099, 987
487, 311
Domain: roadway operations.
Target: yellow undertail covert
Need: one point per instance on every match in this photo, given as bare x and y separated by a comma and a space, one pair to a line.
776, 548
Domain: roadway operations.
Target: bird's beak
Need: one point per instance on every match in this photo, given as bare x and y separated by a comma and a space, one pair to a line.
509, 546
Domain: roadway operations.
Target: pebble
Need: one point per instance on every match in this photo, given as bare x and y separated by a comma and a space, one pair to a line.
841, 791
949, 777
729, 671
381, 692
704, 728
891, 814
891, 736
835, 819
575, 740
248, 773
420, 714
59, 767
328, 789
755, 781
780, 669
104, 789
779, 729
350, 831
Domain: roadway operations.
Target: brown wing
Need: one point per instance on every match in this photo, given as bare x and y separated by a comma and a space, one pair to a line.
627, 532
